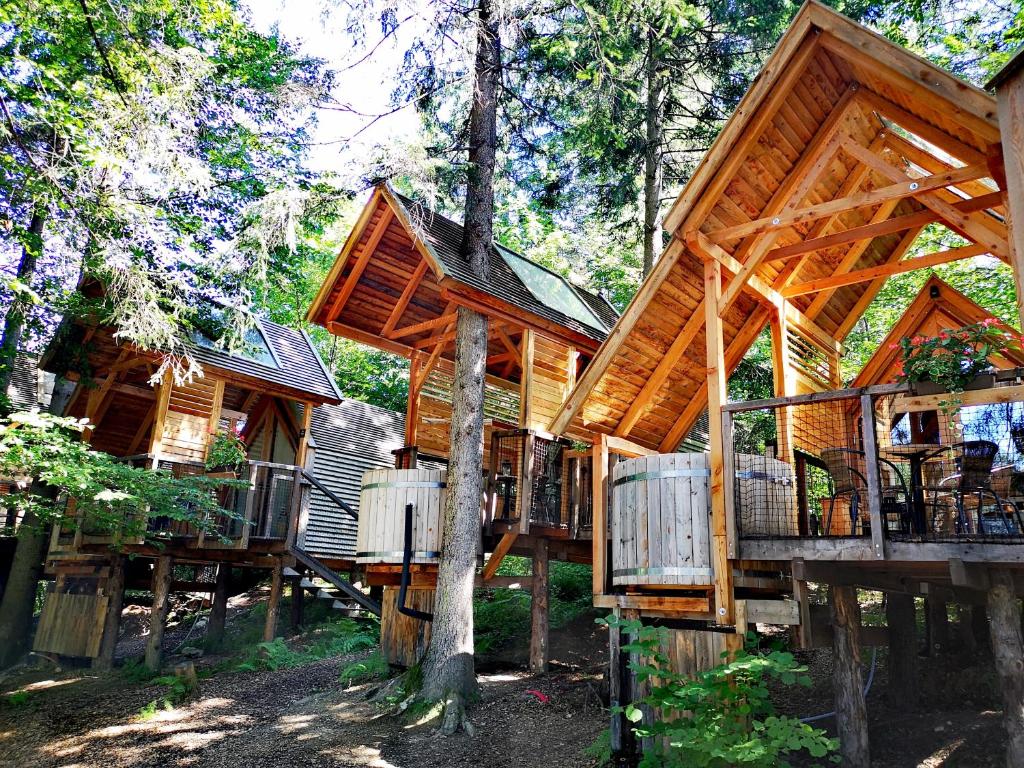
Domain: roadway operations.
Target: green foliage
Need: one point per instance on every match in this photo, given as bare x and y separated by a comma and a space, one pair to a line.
721, 717
372, 667
226, 450
112, 496
954, 356
601, 750
338, 638
135, 671
16, 700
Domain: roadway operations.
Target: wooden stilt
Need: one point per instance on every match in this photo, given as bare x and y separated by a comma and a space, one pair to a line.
539, 608
298, 604
1008, 649
979, 625
219, 609
114, 590
274, 602
900, 616
937, 624
161, 591
851, 712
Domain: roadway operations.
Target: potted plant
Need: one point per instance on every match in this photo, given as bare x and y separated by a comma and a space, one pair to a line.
226, 454
954, 361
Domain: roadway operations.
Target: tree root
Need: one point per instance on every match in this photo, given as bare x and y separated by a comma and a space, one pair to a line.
453, 717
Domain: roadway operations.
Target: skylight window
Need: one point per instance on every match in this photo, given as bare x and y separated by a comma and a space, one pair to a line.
551, 289
254, 345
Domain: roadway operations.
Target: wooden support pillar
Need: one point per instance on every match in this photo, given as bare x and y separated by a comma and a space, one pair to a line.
937, 625
158, 616
1008, 650
599, 507
1009, 85
114, 590
848, 679
716, 381
298, 598
900, 612
274, 601
539, 608
219, 608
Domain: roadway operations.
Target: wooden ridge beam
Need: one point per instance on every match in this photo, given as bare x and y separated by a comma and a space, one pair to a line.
912, 187
361, 262
887, 227
403, 301
959, 222
885, 270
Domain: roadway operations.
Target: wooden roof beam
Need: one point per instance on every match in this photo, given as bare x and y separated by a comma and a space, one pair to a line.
921, 128
884, 270
703, 246
361, 262
932, 163
951, 217
850, 185
798, 183
445, 319
403, 300
869, 231
912, 187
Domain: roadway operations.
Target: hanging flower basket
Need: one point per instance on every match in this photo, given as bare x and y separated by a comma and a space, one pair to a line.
928, 387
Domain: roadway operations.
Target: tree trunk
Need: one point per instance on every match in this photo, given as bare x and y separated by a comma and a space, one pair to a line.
27, 565
539, 608
900, 616
14, 323
162, 574
653, 166
851, 711
219, 608
1008, 649
448, 672
274, 601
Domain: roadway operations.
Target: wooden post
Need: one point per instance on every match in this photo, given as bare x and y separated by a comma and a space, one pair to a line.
539, 608
716, 374
161, 591
524, 500
867, 410
623, 741
526, 381
1009, 85
114, 589
900, 612
937, 625
274, 601
1008, 650
298, 597
219, 608
599, 507
412, 407
851, 712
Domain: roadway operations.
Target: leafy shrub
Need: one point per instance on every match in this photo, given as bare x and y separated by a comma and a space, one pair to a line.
373, 667
339, 638
721, 717
15, 700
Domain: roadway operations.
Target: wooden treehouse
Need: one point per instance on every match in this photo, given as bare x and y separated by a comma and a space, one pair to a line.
843, 151
266, 393
397, 285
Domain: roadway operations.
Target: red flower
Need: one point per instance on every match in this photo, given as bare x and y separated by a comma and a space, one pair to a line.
943, 335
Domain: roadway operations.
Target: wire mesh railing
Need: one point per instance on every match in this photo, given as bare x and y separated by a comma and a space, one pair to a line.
879, 463
531, 470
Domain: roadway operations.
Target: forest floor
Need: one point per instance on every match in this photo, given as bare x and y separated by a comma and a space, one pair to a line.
305, 715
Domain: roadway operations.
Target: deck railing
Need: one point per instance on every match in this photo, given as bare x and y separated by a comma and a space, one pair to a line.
879, 463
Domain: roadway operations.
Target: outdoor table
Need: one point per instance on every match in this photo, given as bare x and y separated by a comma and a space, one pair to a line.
914, 453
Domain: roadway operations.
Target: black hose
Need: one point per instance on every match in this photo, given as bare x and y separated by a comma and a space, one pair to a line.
406, 562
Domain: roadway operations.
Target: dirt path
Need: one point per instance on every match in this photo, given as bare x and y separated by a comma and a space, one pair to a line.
294, 717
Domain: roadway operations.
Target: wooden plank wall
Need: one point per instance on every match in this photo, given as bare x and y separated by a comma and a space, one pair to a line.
403, 639
71, 625
433, 418
552, 379
187, 425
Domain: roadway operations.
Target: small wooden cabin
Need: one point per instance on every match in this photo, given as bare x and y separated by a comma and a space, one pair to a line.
396, 285
845, 147
266, 393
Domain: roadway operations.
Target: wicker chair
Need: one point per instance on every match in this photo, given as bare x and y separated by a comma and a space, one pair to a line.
971, 477
847, 480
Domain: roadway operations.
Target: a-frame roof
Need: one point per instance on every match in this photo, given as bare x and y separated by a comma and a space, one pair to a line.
400, 245
937, 307
844, 148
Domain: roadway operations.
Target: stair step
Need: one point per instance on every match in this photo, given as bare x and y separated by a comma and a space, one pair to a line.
290, 572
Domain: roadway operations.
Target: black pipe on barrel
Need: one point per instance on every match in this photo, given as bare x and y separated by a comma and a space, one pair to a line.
403, 585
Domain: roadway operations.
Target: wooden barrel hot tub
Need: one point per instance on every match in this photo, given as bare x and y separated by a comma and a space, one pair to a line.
661, 521
382, 501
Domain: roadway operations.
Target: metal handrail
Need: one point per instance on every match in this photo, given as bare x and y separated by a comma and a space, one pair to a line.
330, 495
817, 397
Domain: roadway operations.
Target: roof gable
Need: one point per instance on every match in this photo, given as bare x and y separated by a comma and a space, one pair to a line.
845, 146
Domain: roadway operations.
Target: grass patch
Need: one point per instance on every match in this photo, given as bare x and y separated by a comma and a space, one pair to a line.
338, 638
373, 667
16, 700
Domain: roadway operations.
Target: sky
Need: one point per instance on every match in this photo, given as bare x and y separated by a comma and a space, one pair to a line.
317, 28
